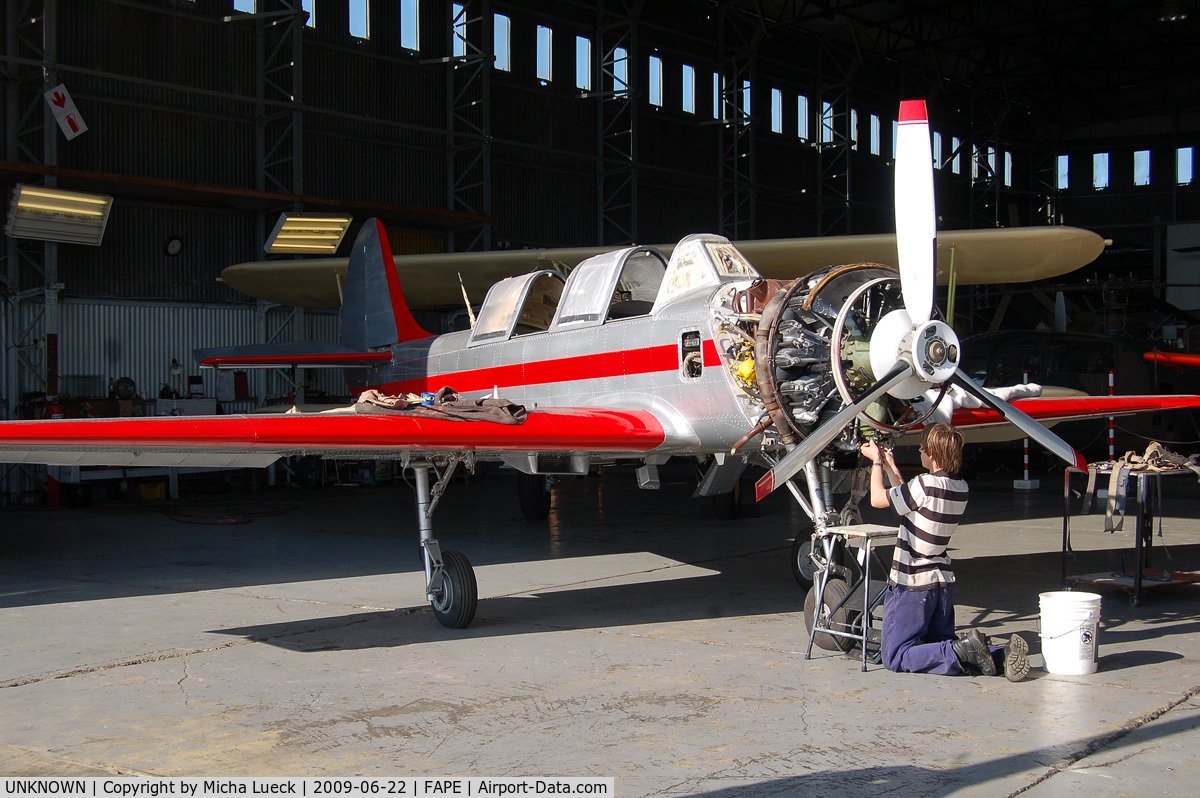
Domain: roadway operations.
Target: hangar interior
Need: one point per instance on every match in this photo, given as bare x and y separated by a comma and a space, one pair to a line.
490, 125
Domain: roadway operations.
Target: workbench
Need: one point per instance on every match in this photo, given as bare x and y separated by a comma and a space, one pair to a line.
1147, 495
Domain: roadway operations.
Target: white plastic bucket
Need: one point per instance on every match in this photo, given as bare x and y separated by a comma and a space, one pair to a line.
1069, 628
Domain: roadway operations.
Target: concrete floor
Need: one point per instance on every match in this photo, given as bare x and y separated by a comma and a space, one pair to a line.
631, 636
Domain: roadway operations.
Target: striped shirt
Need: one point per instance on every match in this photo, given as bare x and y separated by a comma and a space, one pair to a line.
930, 507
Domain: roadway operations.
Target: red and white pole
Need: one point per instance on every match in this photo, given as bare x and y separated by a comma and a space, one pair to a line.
1025, 381
1112, 451
1026, 483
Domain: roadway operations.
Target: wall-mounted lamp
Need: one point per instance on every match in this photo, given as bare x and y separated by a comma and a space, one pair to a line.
51, 214
307, 234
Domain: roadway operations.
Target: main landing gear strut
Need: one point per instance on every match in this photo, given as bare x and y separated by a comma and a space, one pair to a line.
449, 579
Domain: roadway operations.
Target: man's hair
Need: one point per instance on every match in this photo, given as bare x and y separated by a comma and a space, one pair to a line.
944, 444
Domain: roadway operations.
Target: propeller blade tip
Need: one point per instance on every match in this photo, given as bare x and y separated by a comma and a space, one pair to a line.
1081, 462
913, 111
765, 486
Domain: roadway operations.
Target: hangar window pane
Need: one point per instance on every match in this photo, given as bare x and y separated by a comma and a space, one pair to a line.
1062, 172
410, 24
245, 6
716, 94
1141, 168
500, 34
956, 154
1184, 173
620, 70
583, 63
802, 117
1100, 170
656, 84
1008, 169
545, 54
689, 89
745, 100
937, 150
853, 131
875, 134
459, 35
307, 5
360, 19
826, 123
776, 111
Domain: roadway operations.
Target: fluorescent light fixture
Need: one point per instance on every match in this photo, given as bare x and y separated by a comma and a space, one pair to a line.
307, 234
51, 214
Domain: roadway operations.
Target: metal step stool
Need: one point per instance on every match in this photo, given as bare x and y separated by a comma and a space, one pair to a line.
865, 537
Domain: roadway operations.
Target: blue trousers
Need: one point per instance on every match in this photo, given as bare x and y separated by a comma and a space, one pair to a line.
918, 628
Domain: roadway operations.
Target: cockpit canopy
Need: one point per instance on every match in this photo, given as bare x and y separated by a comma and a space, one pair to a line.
702, 260
518, 306
615, 285
623, 284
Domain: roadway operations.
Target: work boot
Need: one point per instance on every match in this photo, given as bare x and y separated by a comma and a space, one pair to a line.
973, 653
1016, 659
1012, 659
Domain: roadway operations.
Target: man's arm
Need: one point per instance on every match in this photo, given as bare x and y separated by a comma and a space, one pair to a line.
882, 462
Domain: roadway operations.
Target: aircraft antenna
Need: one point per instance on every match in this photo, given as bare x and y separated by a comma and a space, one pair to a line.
470, 313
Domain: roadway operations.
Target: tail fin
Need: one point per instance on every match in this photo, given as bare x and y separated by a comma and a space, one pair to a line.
374, 312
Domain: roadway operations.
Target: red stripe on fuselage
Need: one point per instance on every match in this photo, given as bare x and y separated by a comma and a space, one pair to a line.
601, 365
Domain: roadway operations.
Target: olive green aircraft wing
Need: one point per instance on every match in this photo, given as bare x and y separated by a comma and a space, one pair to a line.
992, 256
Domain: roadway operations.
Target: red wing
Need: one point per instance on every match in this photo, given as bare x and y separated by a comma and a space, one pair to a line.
1180, 360
1068, 408
257, 440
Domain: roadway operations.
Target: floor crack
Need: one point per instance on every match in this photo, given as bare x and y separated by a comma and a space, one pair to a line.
1098, 744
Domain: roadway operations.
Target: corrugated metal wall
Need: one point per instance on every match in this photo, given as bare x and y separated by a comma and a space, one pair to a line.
140, 339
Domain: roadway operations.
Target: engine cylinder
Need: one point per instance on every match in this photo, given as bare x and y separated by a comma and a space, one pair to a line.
794, 347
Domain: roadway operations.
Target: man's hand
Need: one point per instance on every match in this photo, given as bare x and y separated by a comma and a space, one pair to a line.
877, 454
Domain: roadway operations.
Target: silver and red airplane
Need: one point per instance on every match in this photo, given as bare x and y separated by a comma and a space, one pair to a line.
635, 357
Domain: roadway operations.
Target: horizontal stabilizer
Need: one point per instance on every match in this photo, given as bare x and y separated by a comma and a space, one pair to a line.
310, 354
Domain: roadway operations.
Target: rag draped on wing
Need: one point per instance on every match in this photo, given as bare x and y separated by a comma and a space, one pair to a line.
956, 397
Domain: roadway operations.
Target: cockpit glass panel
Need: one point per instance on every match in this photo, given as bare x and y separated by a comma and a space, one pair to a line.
589, 290
540, 304
641, 277
498, 309
689, 268
702, 260
729, 261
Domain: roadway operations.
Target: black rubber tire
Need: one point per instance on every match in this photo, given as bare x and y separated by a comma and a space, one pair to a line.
459, 591
802, 564
534, 497
835, 591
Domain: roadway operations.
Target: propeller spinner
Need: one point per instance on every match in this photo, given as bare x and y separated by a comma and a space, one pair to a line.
908, 348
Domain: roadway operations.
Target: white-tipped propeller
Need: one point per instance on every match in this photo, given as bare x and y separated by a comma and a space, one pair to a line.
908, 348
916, 234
